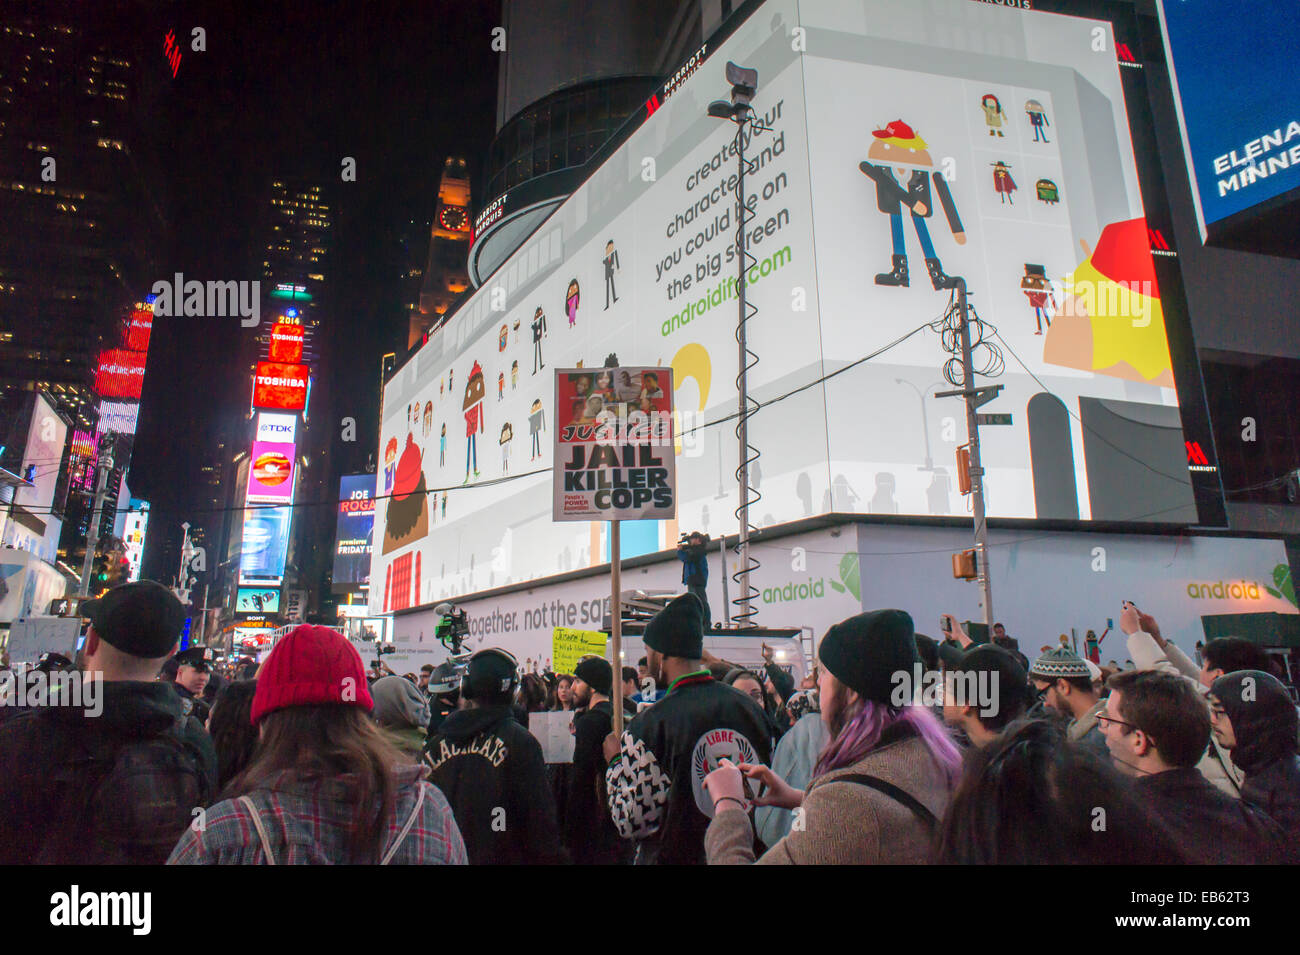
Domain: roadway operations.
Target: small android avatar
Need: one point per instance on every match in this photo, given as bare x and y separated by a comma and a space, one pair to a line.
536, 425
474, 423
1047, 192
539, 332
507, 433
442, 447
993, 114
571, 302
1003, 184
897, 152
428, 417
451, 380
514, 375
444, 505
1039, 292
503, 338
515, 326
611, 266
390, 464
1038, 119
501, 386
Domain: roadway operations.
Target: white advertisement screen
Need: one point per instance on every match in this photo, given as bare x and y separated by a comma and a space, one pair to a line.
898, 152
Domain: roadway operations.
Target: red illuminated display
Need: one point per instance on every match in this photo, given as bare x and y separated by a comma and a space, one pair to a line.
280, 385
120, 374
138, 330
286, 343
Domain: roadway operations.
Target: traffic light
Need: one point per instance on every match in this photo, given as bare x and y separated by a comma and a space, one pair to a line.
119, 569
99, 574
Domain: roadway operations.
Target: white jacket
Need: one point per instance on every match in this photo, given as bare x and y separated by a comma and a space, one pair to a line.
1216, 765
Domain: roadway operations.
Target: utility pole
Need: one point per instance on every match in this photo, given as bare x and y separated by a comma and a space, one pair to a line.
974, 398
103, 468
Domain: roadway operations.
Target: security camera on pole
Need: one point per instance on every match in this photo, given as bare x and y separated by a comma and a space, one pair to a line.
104, 467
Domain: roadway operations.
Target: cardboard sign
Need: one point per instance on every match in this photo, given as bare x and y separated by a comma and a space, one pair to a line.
570, 646
555, 732
614, 455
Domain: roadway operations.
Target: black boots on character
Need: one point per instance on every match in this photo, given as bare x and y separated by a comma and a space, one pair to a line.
938, 278
898, 276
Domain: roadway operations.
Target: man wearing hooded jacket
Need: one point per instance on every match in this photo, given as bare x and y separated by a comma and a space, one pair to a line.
491, 770
655, 777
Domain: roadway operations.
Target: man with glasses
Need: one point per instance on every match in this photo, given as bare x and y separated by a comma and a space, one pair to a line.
1156, 728
1064, 684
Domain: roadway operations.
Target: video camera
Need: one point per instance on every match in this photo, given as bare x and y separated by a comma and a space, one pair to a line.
452, 630
693, 548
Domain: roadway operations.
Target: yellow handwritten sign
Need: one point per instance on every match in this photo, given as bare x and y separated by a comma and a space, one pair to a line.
570, 646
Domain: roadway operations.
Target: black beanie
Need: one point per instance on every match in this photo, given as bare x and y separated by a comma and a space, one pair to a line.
864, 652
597, 674
678, 629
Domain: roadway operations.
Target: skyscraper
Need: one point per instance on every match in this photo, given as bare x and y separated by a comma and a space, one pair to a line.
444, 275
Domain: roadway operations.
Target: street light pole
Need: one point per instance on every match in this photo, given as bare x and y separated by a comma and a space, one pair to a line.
976, 468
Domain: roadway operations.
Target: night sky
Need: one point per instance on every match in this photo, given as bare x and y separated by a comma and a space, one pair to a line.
289, 90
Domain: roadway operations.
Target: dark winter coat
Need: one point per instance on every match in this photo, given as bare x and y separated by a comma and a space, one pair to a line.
1211, 827
589, 832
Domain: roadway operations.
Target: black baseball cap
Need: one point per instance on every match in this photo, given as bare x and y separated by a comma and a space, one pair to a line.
143, 618
201, 658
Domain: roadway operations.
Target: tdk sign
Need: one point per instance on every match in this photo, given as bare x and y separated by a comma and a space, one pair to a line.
276, 427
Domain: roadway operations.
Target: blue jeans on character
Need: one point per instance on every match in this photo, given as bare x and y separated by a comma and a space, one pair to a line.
922, 234
471, 453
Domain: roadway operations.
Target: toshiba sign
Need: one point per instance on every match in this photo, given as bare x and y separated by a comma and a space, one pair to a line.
280, 385
286, 342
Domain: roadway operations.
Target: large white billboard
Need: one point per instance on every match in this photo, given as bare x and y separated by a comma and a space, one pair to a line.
909, 141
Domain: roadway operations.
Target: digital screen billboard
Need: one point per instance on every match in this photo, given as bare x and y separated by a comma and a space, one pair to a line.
280, 385
118, 416
354, 533
265, 545
270, 476
1233, 64
120, 373
899, 155
286, 342
257, 600
138, 329
276, 427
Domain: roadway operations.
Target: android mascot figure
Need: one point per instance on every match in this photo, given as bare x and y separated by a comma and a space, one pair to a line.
473, 407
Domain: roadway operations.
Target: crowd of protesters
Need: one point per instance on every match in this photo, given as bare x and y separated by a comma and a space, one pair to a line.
897, 748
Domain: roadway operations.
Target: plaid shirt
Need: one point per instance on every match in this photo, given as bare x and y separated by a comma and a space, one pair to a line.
307, 823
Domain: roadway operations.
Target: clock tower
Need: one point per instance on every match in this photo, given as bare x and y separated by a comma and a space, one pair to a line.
445, 275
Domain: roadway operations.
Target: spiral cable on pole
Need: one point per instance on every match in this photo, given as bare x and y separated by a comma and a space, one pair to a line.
744, 612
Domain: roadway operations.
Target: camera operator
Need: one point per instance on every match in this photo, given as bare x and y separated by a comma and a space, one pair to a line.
692, 551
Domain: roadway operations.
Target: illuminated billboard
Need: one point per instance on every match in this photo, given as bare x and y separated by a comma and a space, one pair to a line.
280, 385
119, 417
286, 342
120, 373
133, 536
276, 427
1238, 105
265, 545
270, 476
899, 156
138, 329
257, 600
354, 533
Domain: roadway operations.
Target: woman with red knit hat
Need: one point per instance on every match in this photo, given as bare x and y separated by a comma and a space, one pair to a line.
324, 786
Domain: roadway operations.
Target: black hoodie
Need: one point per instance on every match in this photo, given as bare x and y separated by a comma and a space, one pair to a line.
491, 771
1264, 724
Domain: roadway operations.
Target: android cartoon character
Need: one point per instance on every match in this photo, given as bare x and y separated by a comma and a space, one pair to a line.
473, 408
536, 425
390, 463
993, 114
539, 331
442, 446
898, 152
501, 386
444, 505
514, 375
1003, 184
407, 517
441, 385
507, 433
1047, 192
516, 328
1038, 119
428, 417
451, 380
503, 338
611, 266
571, 302
1039, 292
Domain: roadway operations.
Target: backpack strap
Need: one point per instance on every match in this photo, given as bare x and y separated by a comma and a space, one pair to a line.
261, 829
406, 829
893, 792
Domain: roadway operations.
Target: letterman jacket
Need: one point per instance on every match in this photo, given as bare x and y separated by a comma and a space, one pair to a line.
656, 783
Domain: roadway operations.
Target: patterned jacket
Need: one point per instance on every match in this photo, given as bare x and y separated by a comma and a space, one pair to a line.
655, 784
307, 823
